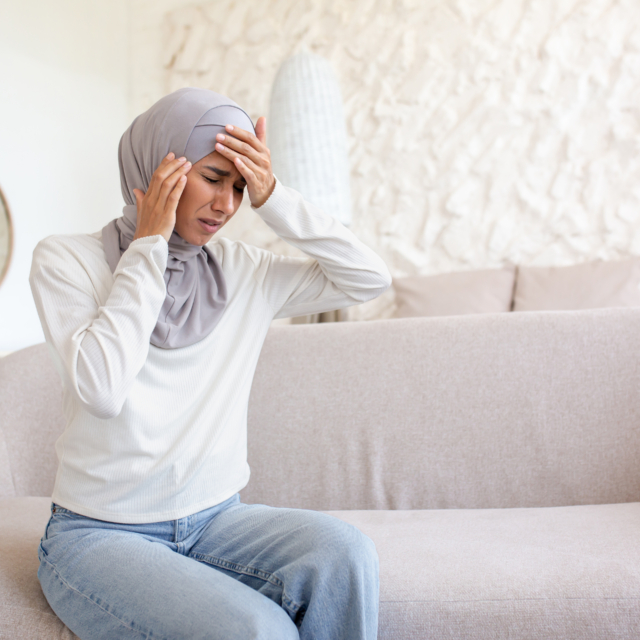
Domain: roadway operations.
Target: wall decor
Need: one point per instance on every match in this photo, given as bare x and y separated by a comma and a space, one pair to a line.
6, 237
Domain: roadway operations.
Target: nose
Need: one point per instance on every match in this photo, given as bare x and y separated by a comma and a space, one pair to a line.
224, 200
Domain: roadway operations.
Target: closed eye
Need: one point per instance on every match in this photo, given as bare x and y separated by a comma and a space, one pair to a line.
239, 190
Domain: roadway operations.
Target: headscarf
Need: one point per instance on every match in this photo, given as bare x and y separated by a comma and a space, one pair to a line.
185, 122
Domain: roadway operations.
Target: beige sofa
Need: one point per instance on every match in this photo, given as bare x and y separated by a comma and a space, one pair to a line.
596, 284
494, 460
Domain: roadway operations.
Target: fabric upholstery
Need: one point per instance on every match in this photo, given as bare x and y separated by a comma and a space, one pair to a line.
448, 294
31, 410
25, 614
591, 285
568, 573
563, 573
496, 410
500, 410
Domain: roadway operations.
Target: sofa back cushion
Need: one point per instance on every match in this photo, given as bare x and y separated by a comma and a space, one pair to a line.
501, 410
591, 285
460, 293
479, 411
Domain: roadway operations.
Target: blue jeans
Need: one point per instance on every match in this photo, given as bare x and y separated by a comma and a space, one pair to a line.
233, 571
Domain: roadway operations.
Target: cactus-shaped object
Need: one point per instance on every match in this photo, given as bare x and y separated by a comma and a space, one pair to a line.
307, 134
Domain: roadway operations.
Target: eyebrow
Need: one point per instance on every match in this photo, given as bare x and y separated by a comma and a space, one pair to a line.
222, 172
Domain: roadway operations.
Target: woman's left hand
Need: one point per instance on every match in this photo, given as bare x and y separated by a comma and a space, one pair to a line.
251, 156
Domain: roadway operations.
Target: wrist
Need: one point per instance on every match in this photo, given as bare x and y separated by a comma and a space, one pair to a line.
266, 196
150, 236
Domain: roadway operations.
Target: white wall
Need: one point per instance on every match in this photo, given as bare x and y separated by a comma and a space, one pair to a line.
65, 91
479, 131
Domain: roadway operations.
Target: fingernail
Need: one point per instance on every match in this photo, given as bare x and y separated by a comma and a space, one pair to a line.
170, 155
229, 127
181, 159
220, 136
187, 164
220, 146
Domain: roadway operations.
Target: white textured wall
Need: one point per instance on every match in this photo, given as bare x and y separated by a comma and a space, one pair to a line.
479, 130
64, 107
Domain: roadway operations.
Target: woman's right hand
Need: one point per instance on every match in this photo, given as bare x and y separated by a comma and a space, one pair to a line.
157, 207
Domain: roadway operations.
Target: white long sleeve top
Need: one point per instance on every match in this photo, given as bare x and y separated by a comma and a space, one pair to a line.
158, 434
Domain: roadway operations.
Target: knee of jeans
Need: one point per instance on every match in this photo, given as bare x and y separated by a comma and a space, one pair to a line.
363, 551
270, 623
349, 546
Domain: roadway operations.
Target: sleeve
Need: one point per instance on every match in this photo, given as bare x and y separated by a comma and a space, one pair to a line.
340, 270
100, 349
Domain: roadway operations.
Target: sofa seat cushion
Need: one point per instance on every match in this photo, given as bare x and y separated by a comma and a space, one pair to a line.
568, 573
25, 614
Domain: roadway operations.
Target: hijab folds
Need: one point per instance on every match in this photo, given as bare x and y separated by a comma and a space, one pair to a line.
185, 122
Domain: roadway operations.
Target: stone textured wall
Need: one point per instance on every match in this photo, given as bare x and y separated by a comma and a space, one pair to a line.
480, 131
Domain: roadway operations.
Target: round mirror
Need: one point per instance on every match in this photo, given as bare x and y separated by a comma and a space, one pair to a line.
6, 237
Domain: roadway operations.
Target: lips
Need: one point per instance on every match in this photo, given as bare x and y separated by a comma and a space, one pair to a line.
209, 224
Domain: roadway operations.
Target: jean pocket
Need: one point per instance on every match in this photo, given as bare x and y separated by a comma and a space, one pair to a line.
58, 510
42, 554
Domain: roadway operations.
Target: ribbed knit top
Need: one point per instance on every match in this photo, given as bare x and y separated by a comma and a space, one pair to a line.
157, 434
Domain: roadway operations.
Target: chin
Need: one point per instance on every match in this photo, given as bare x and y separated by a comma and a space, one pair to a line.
197, 236
200, 240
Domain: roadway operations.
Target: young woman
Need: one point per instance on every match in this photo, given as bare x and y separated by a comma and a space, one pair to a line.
155, 329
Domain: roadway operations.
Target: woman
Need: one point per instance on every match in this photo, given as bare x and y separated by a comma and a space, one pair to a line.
156, 330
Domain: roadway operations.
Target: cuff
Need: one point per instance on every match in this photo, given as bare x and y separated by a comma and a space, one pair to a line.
279, 203
154, 248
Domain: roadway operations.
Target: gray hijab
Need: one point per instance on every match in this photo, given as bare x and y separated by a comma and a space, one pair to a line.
185, 122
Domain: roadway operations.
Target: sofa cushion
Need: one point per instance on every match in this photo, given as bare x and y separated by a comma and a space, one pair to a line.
591, 285
449, 294
25, 614
568, 573
477, 411
32, 421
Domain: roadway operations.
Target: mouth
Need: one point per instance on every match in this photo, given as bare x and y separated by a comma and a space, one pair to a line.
210, 225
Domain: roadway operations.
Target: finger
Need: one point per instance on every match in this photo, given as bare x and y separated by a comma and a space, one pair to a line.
261, 130
174, 196
161, 174
245, 171
138, 196
255, 169
168, 158
236, 148
259, 159
246, 136
170, 182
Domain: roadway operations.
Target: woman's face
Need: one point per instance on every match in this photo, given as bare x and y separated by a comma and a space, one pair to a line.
210, 198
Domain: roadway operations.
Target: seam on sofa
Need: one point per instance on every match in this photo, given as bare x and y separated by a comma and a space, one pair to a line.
590, 598
124, 624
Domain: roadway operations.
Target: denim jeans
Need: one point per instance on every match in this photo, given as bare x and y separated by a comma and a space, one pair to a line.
233, 571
